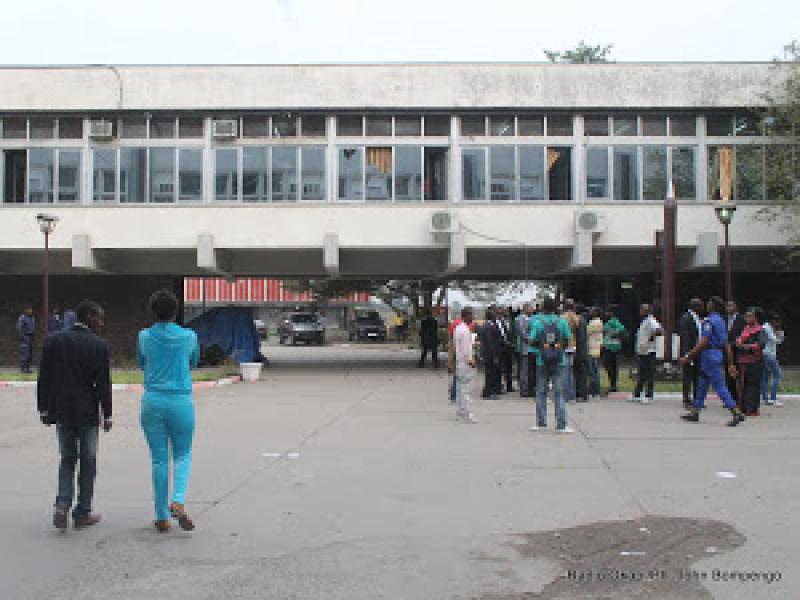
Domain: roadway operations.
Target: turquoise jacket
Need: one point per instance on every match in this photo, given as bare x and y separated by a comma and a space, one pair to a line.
167, 352
538, 325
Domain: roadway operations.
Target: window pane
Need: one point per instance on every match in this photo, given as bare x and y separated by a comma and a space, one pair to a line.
379, 173
597, 172
655, 172
474, 173
226, 174
255, 180
190, 175
473, 125
255, 126
284, 173
531, 125
501, 165
434, 183
749, 173
313, 125
501, 125
132, 174
69, 175
43, 128
683, 125
595, 125
559, 162
351, 174
748, 124
162, 175
40, 177
104, 175
654, 125
350, 125
719, 124
408, 125
284, 125
437, 125
626, 125
15, 128
684, 173
190, 127
780, 172
313, 178
134, 128
626, 173
162, 127
559, 124
531, 172
408, 173
379, 126
70, 128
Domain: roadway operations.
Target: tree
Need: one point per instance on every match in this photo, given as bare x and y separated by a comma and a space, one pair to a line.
581, 54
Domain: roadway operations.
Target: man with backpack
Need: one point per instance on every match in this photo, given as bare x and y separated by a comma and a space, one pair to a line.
550, 335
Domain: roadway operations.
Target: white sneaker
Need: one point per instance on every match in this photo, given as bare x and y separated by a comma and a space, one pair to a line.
565, 430
635, 399
645, 400
777, 403
470, 418
536, 428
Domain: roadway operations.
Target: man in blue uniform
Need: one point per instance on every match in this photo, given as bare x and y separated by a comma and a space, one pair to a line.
26, 326
711, 346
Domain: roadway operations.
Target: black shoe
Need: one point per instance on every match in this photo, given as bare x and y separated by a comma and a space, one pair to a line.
737, 418
691, 417
60, 517
85, 521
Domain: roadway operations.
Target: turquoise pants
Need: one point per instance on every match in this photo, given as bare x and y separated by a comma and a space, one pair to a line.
168, 421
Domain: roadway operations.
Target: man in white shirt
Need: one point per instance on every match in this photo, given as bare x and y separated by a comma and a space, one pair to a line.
465, 366
649, 330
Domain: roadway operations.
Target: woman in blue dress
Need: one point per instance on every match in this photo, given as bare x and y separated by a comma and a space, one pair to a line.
167, 352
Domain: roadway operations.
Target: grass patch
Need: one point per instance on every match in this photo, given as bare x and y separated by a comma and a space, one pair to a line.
789, 385
130, 376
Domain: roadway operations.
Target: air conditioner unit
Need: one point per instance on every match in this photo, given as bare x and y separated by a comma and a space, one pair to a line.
225, 129
589, 221
443, 224
101, 129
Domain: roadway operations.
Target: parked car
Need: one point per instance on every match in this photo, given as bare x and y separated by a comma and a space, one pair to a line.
367, 325
261, 328
301, 327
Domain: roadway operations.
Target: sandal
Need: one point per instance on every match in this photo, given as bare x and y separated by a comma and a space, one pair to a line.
161, 526
179, 513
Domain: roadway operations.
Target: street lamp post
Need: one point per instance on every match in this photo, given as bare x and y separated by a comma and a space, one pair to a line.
725, 211
47, 224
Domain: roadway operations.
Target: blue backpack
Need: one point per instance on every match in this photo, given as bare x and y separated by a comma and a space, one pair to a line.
551, 344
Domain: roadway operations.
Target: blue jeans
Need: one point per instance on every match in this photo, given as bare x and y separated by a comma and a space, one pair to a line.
77, 445
543, 377
569, 377
772, 368
453, 390
594, 376
168, 420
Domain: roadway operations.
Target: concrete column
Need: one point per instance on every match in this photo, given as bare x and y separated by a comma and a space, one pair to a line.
579, 161
702, 160
208, 162
330, 159
454, 191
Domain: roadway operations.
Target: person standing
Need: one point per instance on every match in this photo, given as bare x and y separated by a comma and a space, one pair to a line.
26, 329
750, 366
613, 331
571, 317
594, 333
451, 359
429, 340
772, 368
689, 331
491, 347
506, 351
581, 365
464, 367
54, 322
69, 319
735, 323
167, 352
649, 330
712, 346
74, 386
550, 334
524, 349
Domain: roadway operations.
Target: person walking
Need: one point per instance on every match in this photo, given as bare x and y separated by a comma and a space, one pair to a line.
735, 323
491, 347
649, 330
711, 347
750, 366
689, 332
613, 331
594, 334
550, 334
429, 340
773, 329
464, 367
74, 386
167, 352
451, 359
26, 330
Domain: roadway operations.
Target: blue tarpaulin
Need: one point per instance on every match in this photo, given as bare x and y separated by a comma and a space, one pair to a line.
232, 330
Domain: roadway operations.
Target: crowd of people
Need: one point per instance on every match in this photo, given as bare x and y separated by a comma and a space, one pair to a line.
562, 349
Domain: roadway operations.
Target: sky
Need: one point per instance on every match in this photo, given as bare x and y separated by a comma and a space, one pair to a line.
333, 31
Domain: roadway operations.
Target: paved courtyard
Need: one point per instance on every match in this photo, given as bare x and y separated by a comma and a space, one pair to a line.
344, 475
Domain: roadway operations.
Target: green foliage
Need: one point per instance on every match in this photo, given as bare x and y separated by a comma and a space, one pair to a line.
581, 54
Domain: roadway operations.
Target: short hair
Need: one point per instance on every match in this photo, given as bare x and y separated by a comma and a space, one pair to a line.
595, 312
466, 312
164, 305
758, 313
86, 309
549, 304
717, 303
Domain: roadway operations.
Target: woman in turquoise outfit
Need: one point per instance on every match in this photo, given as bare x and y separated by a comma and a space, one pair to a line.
167, 352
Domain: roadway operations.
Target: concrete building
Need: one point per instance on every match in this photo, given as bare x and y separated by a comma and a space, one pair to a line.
475, 171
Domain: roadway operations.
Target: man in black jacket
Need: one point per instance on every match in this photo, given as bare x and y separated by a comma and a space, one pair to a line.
735, 323
491, 349
429, 340
689, 331
74, 384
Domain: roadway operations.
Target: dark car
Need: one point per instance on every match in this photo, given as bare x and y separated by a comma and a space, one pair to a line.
367, 325
301, 327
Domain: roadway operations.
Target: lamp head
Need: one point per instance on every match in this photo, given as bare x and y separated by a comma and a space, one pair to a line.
47, 223
725, 212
